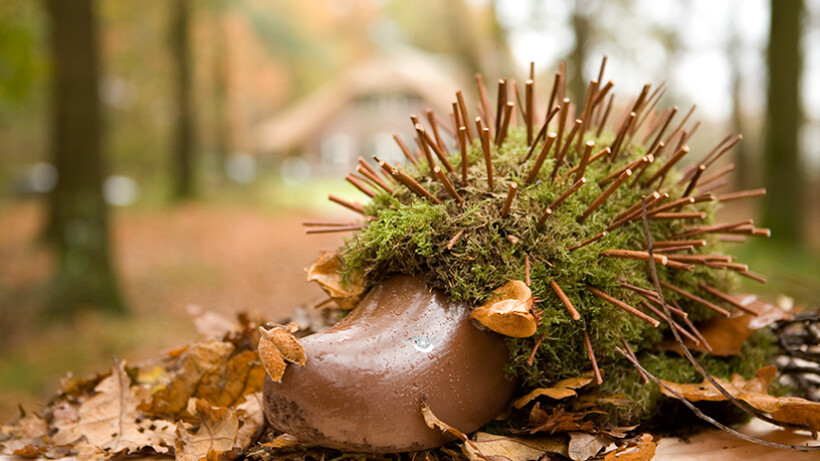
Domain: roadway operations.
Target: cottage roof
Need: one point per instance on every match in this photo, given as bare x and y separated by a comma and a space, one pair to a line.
430, 78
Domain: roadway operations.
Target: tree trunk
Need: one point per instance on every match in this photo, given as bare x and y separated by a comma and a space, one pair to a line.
183, 168
784, 208
78, 227
577, 85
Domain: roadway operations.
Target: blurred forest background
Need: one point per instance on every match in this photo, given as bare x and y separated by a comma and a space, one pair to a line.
161, 154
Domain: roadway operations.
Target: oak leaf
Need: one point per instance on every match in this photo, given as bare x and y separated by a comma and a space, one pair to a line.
215, 435
108, 419
562, 389
251, 419
508, 311
325, 272
794, 410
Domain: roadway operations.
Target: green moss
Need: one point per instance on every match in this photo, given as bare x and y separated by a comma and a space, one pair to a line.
410, 235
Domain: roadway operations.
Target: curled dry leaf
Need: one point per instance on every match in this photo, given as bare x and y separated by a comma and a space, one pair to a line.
559, 420
561, 390
284, 441
792, 410
519, 448
216, 434
251, 420
508, 311
23, 435
325, 272
640, 449
277, 345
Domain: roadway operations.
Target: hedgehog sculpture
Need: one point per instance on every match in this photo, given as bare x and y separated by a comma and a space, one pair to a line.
534, 224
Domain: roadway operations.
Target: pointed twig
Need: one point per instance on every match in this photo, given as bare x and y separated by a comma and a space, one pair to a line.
633, 254
527, 268
638, 163
538, 343
445, 181
674, 243
679, 128
465, 161
663, 128
358, 185
424, 144
374, 178
488, 161
723, 171
352, 206
709, 161
591, 355
571, 190
539, 161
554, 94
529, 109
740, 195
405, 150
695, 298
501, 103
587, 241
674, 324
697, 230
543, 218
679, 215
485, 102
455, 238
541, 132
719, 294
431, 144
604, 116
622, 133
413, 185
328, 230
605, 195
559, 157
592, 89
508, 202
634, 359
620, 304
654, 199
505, 123
564, 299
431, 117
562, 122
661, 173
582, 166
464, 117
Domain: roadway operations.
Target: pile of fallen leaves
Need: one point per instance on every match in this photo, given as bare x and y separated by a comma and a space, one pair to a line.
204, 401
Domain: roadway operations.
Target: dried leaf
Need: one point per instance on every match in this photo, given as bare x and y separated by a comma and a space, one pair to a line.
560, 420
561, 390
583, 446
107, 420
433, 422
508, 311
325, 272
519, 448
277, 345
640, 449
251, 419
727, 335
23, 434
210, 370
283, 441
216, 434
793, 410
210, 324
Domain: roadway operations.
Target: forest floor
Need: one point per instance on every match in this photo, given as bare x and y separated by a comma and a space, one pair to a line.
227, 256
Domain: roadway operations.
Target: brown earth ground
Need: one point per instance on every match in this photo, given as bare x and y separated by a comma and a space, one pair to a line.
224, 258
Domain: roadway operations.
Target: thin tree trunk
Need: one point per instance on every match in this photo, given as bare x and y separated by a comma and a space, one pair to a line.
784, 207
78, 227
183, 168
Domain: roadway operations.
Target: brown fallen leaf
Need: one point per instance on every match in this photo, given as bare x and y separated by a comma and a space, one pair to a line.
559, 420
214, 436
562, 389
583, 445
24, 434
212, 370
640, 449
108, 419
210, 324
284, 441
794, 410
727, 335
519, 448
251, 420
508, 311
277, 345
325, 272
